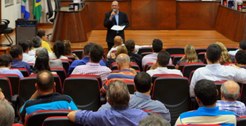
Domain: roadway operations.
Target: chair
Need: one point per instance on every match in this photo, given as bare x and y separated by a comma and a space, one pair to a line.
176, 58
61, 72
79, 53
6, 87
175, 50
218, 85
153, 78
173, 91
14, 81
198, 50
58, 121
85, 91
4, 29
190, 67
241, 121
26, 88
201, 56
37, 118
144, 49
23, 71
65, 64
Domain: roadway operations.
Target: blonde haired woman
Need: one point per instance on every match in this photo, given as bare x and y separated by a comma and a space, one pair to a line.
225, 57
189, 57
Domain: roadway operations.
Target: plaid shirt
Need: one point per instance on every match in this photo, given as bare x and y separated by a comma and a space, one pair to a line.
234, 106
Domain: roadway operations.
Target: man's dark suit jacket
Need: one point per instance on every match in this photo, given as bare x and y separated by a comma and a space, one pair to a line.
123, 20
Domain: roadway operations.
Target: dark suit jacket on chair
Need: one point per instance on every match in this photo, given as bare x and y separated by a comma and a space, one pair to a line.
123, 20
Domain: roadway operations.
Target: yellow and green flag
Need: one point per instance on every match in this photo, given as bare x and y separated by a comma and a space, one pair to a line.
37, 9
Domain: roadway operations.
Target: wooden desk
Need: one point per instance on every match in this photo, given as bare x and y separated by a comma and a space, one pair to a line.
72, 25
231, 23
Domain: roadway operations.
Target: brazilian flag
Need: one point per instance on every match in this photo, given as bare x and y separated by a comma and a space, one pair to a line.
37, 9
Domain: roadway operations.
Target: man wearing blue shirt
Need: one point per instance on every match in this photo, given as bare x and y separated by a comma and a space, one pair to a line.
120, 114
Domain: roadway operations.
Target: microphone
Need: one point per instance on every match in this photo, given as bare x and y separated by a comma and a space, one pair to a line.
114, 10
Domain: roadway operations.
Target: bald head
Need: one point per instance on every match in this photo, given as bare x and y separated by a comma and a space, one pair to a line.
118, 40
230, 90
123, 61
115, 5
45, 81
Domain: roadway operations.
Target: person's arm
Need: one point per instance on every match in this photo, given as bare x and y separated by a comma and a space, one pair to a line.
107, 22
84, 117
34, 95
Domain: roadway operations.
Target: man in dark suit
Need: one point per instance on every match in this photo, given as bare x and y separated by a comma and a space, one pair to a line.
114, 17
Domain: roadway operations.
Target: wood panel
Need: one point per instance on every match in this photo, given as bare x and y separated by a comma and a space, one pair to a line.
231, 23
196, 15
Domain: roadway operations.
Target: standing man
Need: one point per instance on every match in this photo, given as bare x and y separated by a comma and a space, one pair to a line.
114, 17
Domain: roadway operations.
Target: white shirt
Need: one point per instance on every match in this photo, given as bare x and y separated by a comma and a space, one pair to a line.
27, 58
217, 72
233, 53
164, 70
94, 69
151, 58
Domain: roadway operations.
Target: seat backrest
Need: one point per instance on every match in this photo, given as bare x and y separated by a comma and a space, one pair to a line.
198, 50
6, 87
190, 67
79, 53
58, 121
14, 81
144, 49
23, 71
241, 121
85, 92
174, 93
155, 76
37, 118
65, 64
201, 56
218, 85
61, 72
27, 88
175, 50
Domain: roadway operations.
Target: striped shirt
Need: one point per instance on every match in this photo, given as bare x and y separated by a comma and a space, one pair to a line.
204, 115
234, 106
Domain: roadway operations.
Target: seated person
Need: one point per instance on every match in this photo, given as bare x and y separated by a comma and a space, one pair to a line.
5, 65
206, 97
242, 46
225, 57
16, 53
117, 42
130, 46
241, 58
214, 71
44, 43
230, 91
93, 67
36, 44
151, 58
154, 120
52, 62
6, 111
160, 67
68, 51
189, 57
45, 98
59, 50
120, 114
120, 50
85, 59
142, 99
25, 47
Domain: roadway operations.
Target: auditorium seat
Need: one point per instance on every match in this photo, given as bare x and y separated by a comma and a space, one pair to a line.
85, 91
241, 121
37, 118
79, 53
144, 50
58, 121
6, 87
175, 50
23, 71
14, 81
173, 91
187, 68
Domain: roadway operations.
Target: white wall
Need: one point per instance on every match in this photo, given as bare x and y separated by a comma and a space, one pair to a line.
11, 13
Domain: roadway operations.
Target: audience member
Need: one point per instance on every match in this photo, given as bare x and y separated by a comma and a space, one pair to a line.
68, 50
214, 71
160, 67
36, 44
157, 46
25, 47
230, 91
120, 114
42, 62
125, 73
59, 50
5, 65
206, 96
7, 113
154, 120
85, 59
16, 53
141, 98
241, 58
117, 42
242, 46
44, 43
120, 49
45, 98
225, 57
52, 62
189, 57
93, 66
130, 45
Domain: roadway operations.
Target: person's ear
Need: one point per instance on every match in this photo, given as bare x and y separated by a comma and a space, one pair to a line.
198, 101
36, 86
